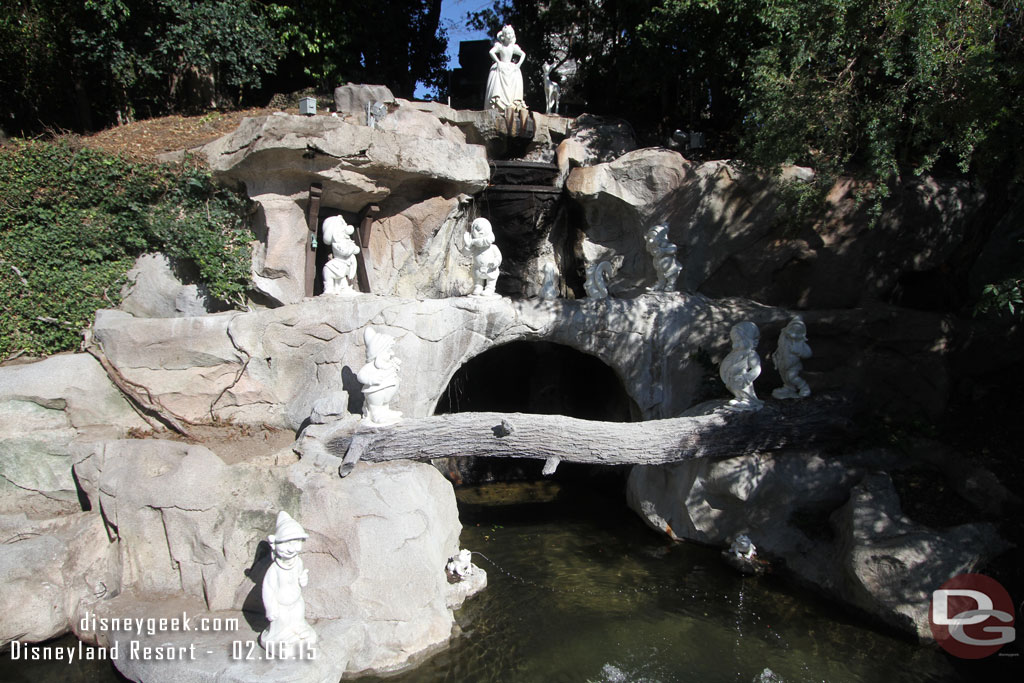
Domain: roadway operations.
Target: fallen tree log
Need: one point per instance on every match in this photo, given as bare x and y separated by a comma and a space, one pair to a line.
817, 421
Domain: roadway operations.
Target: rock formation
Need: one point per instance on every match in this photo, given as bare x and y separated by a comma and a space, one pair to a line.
101, 523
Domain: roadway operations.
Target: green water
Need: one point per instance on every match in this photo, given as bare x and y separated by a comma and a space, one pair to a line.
581, 590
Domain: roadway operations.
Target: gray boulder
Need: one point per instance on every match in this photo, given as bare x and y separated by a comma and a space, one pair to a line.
351, 99
834, 525
356, 164
602, 140
889, 565
155, 291
488, 128
32, 592
711, 501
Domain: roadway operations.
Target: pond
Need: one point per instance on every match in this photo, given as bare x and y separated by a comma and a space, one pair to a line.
581, 590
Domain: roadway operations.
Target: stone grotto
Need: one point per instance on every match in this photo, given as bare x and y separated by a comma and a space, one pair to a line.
118, 501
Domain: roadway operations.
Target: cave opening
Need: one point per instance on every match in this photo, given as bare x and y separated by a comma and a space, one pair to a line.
543, 378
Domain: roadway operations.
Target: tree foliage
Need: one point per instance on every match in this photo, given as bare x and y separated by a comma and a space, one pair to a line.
877, 86
74, 220
86, 65
331, 42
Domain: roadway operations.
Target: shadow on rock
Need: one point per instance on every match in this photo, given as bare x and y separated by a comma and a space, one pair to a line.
252, 608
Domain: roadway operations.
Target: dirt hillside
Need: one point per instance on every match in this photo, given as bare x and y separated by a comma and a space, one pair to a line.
146, 140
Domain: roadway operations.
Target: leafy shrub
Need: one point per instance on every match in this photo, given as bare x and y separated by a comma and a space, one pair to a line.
1003, 297
73, 220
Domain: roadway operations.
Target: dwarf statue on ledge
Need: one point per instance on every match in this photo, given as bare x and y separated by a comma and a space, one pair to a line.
663, 252
479, 242
282, 591
788, 360
598, 276
742, 366
379, 378
340, 271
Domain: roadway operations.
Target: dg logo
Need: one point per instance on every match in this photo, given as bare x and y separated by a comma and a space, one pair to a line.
972, 616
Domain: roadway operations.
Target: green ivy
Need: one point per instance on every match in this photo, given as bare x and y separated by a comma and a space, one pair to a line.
73, 220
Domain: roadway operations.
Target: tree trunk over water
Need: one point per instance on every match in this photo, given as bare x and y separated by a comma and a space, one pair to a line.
817, 421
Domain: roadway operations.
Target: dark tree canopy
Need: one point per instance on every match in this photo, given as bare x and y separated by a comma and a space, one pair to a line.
86, 65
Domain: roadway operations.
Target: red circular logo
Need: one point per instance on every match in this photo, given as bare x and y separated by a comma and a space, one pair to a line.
972, 616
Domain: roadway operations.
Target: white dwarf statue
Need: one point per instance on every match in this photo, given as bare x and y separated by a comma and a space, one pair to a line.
742, 366
379, 378
793, 348
664, 254
549, 290
743, 548
479, 243
552, 91
340, 271
460, 566
596, 284
282, 591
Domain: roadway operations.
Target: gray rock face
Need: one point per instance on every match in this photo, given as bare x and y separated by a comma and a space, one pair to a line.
356, 164
621, 200
712, 500
488, 128
189, 525
46, 408
32, 593
828, 522
603, 140
154, 291
735, 237
890, 564
271, 366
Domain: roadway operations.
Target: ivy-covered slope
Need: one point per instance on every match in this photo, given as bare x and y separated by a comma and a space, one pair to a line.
73, 220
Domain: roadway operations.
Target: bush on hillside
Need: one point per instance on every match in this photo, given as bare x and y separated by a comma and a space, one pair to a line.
73, 221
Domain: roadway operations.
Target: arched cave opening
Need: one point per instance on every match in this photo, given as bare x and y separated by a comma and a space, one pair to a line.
543, 378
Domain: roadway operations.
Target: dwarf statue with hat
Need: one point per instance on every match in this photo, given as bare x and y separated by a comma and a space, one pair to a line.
379, 378
742, 366
788, 360
479, 243
282, 591
341, 270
